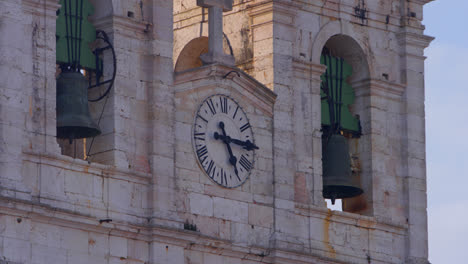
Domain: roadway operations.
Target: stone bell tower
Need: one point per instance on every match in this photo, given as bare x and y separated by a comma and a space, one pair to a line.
282, 45
214, 135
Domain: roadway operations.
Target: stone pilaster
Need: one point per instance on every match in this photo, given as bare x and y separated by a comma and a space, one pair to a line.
412, 43
27, 104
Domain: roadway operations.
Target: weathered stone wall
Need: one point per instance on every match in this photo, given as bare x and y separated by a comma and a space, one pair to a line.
242, 215
285, 40
56, 209
130, 202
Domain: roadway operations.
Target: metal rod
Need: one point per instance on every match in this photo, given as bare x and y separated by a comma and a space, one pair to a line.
100, 83
331, 102
72, 39
99, 121
76, 37
340, 89
66, 31
79, 38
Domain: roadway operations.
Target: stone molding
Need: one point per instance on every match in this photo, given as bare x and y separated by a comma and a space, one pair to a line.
414, 40
36, 7
390, 90
169, 235
65, 162
125, 26
280, 11
308, 70
218, 72
44, 213
362, 221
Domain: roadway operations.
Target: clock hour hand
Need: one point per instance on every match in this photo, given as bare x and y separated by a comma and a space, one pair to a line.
232, 158
247, 145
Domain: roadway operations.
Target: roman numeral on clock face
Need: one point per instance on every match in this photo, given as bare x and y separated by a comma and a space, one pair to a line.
202, 152
244, 127
223, 102
223, 177
245, 163
199, 136
202, 118
235, 112
210, 168
211, 106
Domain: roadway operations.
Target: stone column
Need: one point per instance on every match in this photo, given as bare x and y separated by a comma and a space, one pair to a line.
215, 24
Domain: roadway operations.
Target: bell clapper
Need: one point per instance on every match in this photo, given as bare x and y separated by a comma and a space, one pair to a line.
333, 198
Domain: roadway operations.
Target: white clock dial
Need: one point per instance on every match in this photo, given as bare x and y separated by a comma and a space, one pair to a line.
223, 141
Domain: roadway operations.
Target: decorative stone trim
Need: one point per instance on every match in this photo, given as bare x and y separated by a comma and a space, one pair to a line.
65, 162
219, 71
308, 70
56, 216
390, 90
284, 12
362, 221
414, 39
125, 26
38, 7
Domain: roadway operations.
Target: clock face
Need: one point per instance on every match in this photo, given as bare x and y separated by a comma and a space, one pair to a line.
223, 141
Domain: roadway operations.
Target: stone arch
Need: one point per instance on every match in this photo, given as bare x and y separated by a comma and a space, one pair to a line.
339, 35
337, 38
347, 48
189, 57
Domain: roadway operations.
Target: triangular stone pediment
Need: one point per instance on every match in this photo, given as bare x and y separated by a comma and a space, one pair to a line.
219, 78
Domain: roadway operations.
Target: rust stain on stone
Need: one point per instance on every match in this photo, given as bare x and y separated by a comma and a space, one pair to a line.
142, 164
91, 241
300, 188
326, 235
356, 204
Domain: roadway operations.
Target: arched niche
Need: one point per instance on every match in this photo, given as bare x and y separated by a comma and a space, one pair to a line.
189, 57
347, 48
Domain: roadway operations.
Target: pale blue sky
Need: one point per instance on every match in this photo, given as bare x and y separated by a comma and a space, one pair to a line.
446, 129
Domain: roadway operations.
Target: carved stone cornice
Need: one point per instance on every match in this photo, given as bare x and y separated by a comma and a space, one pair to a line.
277, 11
414, 39
307, 70
218, 74
124, 26
68, 163
39, 8
371, 87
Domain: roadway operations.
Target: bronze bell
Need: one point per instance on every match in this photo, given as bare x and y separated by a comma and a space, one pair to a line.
338, 181
73, 117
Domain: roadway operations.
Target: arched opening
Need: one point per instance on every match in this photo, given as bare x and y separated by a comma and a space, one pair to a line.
189, 57
345, 125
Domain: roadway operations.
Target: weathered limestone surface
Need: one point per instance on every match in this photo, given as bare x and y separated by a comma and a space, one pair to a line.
129, 204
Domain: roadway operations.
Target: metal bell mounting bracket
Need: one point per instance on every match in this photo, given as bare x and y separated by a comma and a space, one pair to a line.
98, 52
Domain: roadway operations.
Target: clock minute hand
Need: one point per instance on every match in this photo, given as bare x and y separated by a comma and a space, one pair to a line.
224, 138
245, 144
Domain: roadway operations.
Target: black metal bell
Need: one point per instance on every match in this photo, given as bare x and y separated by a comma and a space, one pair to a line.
73, 117
338, 181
